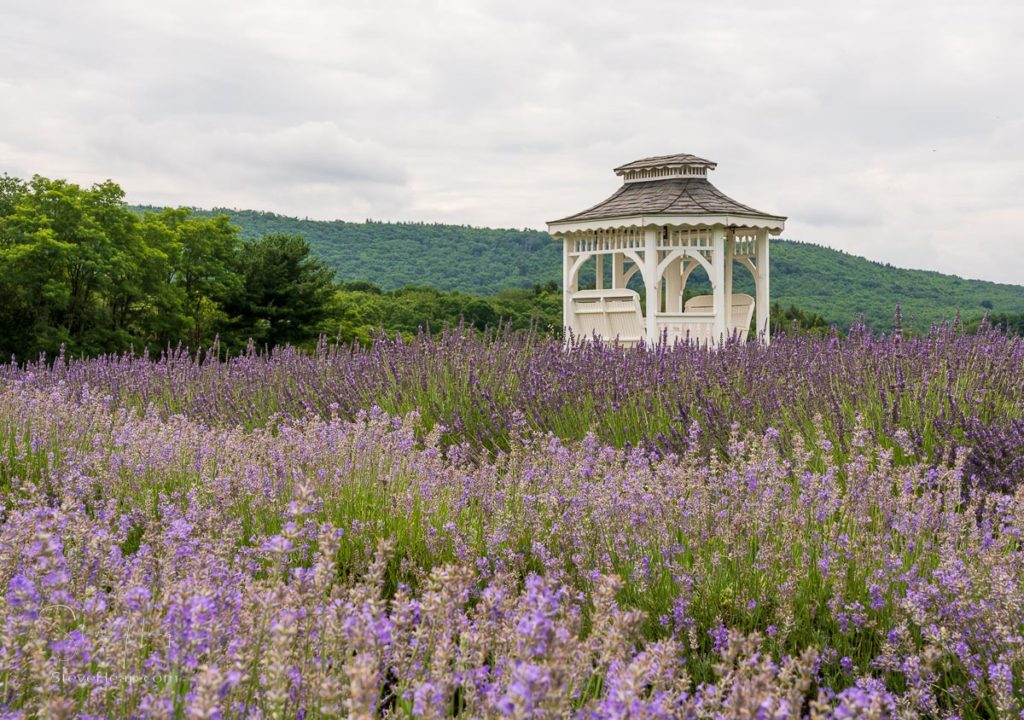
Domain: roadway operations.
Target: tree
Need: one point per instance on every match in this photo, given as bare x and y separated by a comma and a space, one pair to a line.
68, 258
786, 320
80, 269
202, 272
284, 292
360, 286
12, 191
15, 310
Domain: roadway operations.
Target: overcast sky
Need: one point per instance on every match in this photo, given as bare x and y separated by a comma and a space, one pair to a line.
893, 130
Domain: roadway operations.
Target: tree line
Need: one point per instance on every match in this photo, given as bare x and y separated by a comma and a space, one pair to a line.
79, 269
82, 271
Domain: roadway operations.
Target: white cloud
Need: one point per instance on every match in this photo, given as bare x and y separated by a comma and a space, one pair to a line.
890, 129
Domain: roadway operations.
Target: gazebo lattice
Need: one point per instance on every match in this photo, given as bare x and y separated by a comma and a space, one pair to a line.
665, 221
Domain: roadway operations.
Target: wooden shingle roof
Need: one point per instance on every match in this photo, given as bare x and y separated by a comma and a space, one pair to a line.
666, 161
676, 196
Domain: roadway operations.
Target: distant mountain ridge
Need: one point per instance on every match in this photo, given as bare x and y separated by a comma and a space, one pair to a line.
836, 285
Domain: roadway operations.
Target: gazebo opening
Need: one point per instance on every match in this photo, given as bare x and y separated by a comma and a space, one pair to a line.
664, 224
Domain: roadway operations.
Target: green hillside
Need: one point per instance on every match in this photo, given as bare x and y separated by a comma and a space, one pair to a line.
840, 286
834, 284
393, 255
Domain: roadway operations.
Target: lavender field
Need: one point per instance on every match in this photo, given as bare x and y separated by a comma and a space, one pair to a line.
503, 526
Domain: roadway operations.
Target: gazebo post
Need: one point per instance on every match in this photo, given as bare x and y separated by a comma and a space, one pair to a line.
566, 290
674, 287
718, 283
599, 271
730, 253
651, 285
761, 286
618, 261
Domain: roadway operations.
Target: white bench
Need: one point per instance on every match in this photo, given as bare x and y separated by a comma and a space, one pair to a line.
613, 315
742, 312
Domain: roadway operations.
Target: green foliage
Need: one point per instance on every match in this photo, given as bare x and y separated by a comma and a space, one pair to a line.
793, 319
80, 270
283, 294
201, 274
1012, 323
840, 287
360, 309
480, 261
70, 268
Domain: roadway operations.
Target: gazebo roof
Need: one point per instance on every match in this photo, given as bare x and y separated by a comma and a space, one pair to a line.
646, 192
665, 161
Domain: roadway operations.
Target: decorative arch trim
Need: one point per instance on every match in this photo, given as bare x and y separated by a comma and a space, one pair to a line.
684, 252
575, 269
749, 265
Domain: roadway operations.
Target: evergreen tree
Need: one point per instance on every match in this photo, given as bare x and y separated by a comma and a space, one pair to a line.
283, 294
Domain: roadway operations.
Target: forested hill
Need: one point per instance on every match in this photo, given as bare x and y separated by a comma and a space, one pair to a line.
834, 284
393, 255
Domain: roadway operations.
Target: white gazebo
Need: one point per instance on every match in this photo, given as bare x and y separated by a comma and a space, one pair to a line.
666, 220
